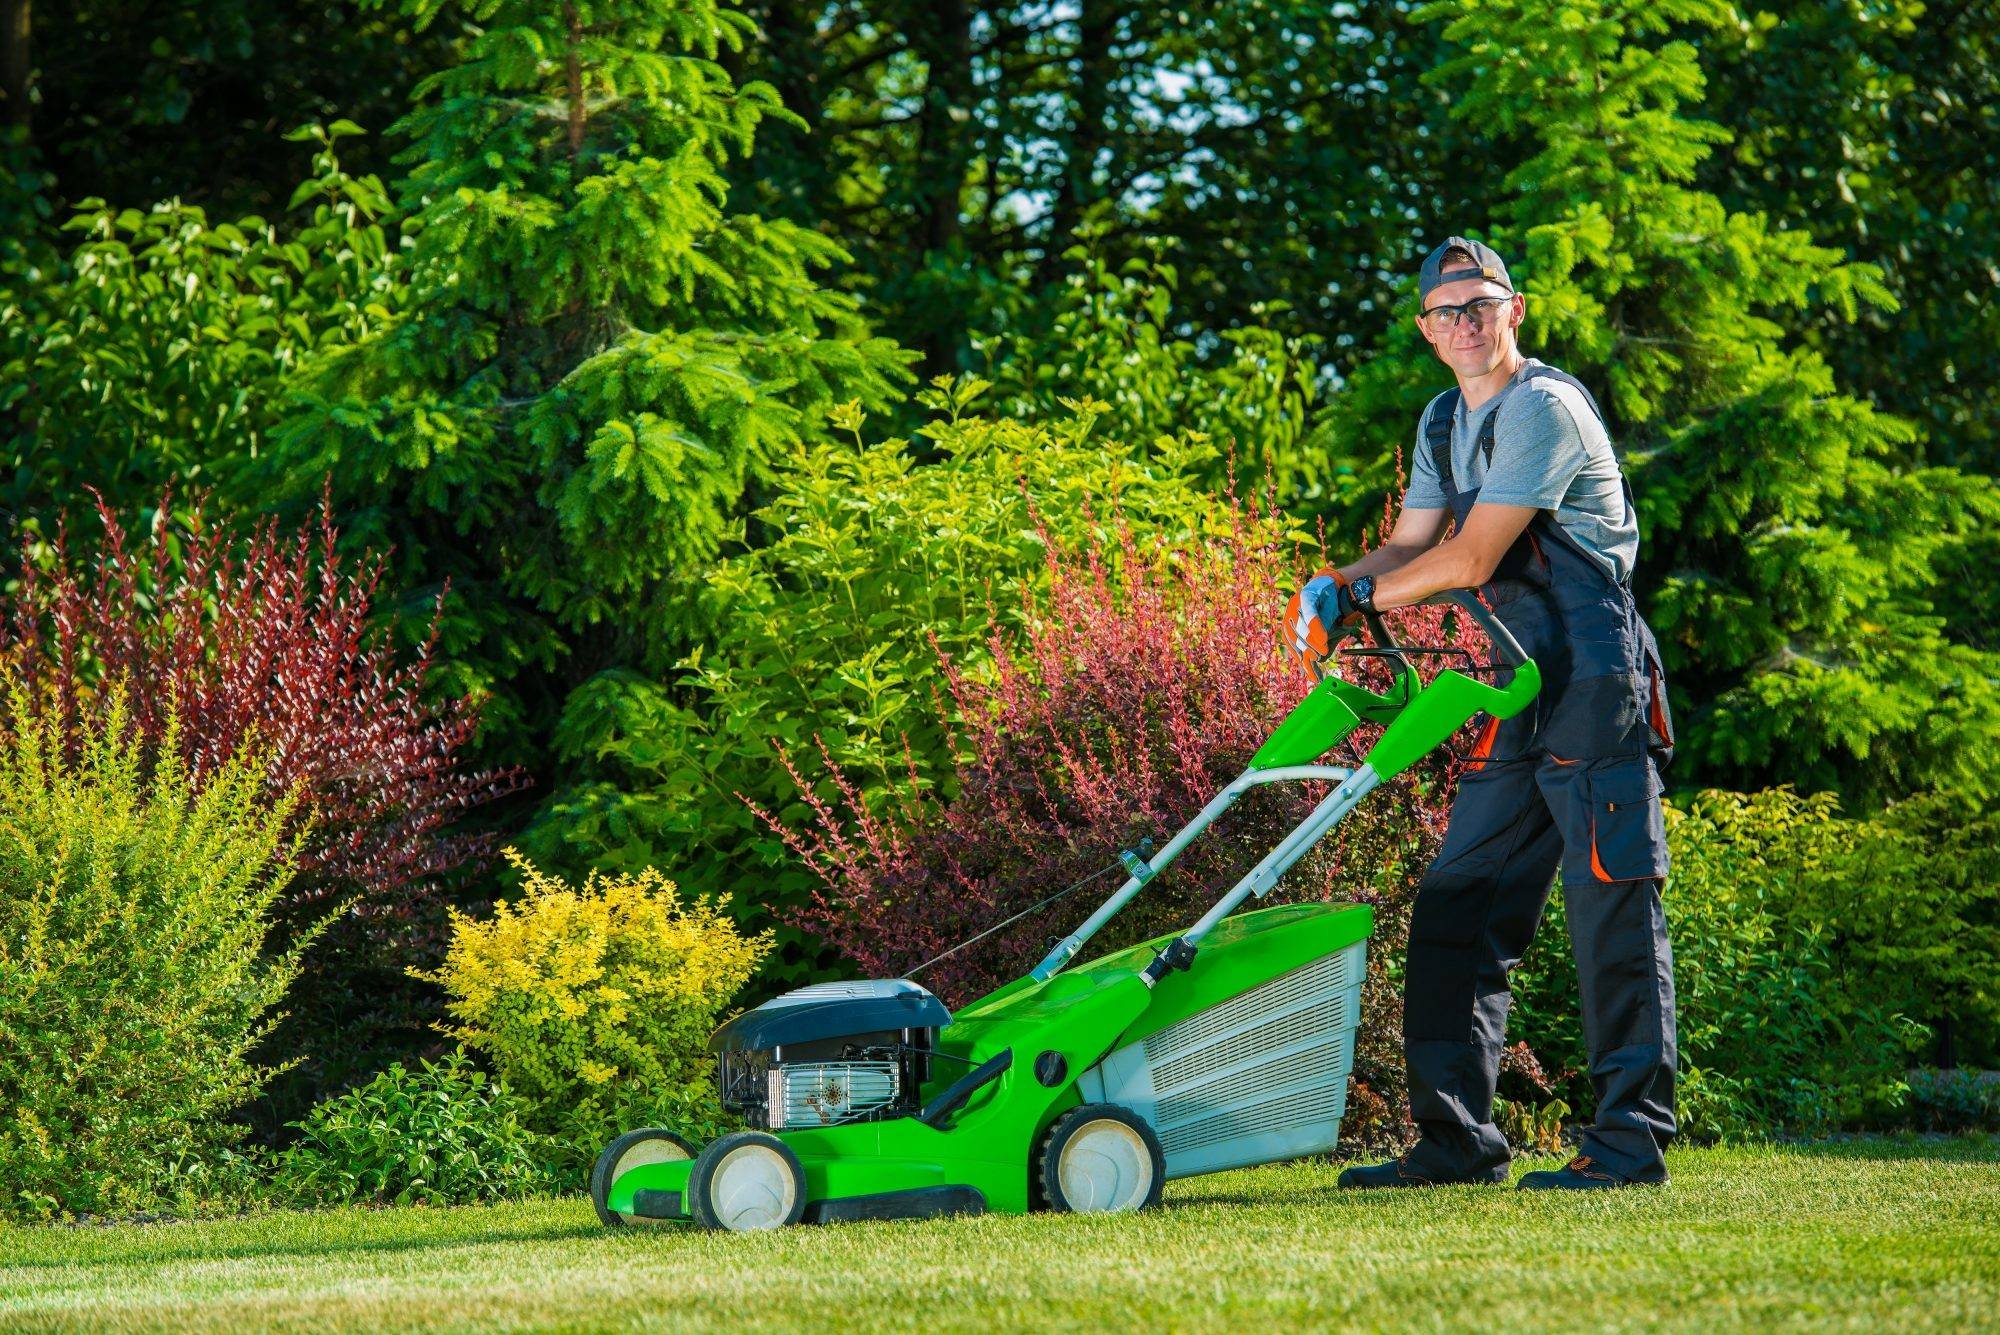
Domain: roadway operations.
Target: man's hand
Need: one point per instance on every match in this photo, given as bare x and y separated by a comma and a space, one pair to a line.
1313, 615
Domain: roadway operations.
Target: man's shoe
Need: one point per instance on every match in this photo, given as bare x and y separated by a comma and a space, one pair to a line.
1399, 1172
1583, 1173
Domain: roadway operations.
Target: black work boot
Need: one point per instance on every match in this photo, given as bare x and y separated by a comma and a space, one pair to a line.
1583, 1173
1400, 1172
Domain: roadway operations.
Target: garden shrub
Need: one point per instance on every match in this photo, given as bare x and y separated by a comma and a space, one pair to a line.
1769, 1037
1117, 337
864, 555
1140, 685
595, 1004
265, 634
269, 635
134, 973
444, 1134
161, 344
1910, 899
1955, 1100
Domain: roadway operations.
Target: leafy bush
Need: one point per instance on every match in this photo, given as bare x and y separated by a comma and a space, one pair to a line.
1140, 686
595, 1004
1955, 1100
1769, 1037
269, 636
159, 346
1116, 338
134, 978
825, 629
265, 635
441, 1135
1910, 899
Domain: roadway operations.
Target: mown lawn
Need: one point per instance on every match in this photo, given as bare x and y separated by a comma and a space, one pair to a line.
1877, 1233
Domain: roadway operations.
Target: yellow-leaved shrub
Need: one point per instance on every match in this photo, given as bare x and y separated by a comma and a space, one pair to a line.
595, 1003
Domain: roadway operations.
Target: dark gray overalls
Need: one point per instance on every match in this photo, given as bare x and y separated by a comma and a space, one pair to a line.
1573, 782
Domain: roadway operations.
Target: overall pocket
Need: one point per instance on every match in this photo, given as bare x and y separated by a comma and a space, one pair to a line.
1659, 717
1627, 830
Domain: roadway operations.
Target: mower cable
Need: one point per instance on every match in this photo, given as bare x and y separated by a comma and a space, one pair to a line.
1032, 908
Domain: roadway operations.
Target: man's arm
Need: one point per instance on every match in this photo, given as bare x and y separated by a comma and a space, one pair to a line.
1416, 532
1465, 560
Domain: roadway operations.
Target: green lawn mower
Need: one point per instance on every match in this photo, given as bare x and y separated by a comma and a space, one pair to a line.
1084, 1088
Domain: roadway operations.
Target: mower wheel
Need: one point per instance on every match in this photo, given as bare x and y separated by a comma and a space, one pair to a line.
747, 1181
1100, 1158
629, 1151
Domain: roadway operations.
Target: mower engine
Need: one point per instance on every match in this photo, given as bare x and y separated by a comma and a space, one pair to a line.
828, 1054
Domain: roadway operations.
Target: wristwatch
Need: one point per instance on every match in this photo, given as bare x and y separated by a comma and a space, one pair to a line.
1362, 591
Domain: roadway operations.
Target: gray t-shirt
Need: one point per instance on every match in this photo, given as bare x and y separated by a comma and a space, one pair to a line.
1550, 451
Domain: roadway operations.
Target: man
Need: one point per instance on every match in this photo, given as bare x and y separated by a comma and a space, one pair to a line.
1518, 460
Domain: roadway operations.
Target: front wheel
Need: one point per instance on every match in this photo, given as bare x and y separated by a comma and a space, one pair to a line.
1101, 1158
632, 1150
747, 1181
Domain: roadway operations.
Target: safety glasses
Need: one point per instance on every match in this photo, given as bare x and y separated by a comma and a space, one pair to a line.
1480, 311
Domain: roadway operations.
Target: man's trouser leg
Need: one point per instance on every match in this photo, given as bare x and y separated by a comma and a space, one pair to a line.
1475, 913
1609, 811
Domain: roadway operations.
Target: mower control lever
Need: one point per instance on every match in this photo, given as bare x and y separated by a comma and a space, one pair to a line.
1385, 644
937, 1113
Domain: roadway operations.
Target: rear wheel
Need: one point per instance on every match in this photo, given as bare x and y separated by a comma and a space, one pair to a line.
632, 1150
745, 1182
1101, 1158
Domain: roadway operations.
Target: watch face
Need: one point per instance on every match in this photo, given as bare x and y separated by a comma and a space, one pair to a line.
1364, 592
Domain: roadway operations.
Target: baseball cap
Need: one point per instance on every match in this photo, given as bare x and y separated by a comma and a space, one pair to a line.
1485, 264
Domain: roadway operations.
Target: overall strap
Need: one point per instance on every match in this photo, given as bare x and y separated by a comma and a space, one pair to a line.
1437, 435
1486, 427
1546, 521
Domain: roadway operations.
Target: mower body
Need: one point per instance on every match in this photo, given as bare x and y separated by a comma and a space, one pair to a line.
1242, 1058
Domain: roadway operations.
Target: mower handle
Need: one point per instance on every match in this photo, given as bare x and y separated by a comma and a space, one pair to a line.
1467, 600
1504, 644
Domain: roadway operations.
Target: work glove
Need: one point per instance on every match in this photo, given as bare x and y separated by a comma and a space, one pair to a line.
1318, 617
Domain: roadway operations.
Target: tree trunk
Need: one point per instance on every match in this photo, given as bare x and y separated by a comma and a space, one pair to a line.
943, 36
574, 71
17, 67
1078, 187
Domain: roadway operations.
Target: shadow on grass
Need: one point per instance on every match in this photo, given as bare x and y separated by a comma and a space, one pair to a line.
164, 1248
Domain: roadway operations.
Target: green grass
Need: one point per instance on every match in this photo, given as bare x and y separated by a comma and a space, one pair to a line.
1877, 1233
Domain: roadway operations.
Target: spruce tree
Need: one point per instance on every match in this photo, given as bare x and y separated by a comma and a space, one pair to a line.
1794, 575
589, 359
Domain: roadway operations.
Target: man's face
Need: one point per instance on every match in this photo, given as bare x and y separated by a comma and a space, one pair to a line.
1469, 348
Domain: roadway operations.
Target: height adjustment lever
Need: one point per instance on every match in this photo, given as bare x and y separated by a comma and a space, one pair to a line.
1176, 954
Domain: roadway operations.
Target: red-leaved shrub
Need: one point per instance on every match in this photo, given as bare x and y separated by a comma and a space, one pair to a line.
266, 637
1146, 679
263, 639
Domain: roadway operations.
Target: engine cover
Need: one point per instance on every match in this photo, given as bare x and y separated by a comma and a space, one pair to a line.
832, 1010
